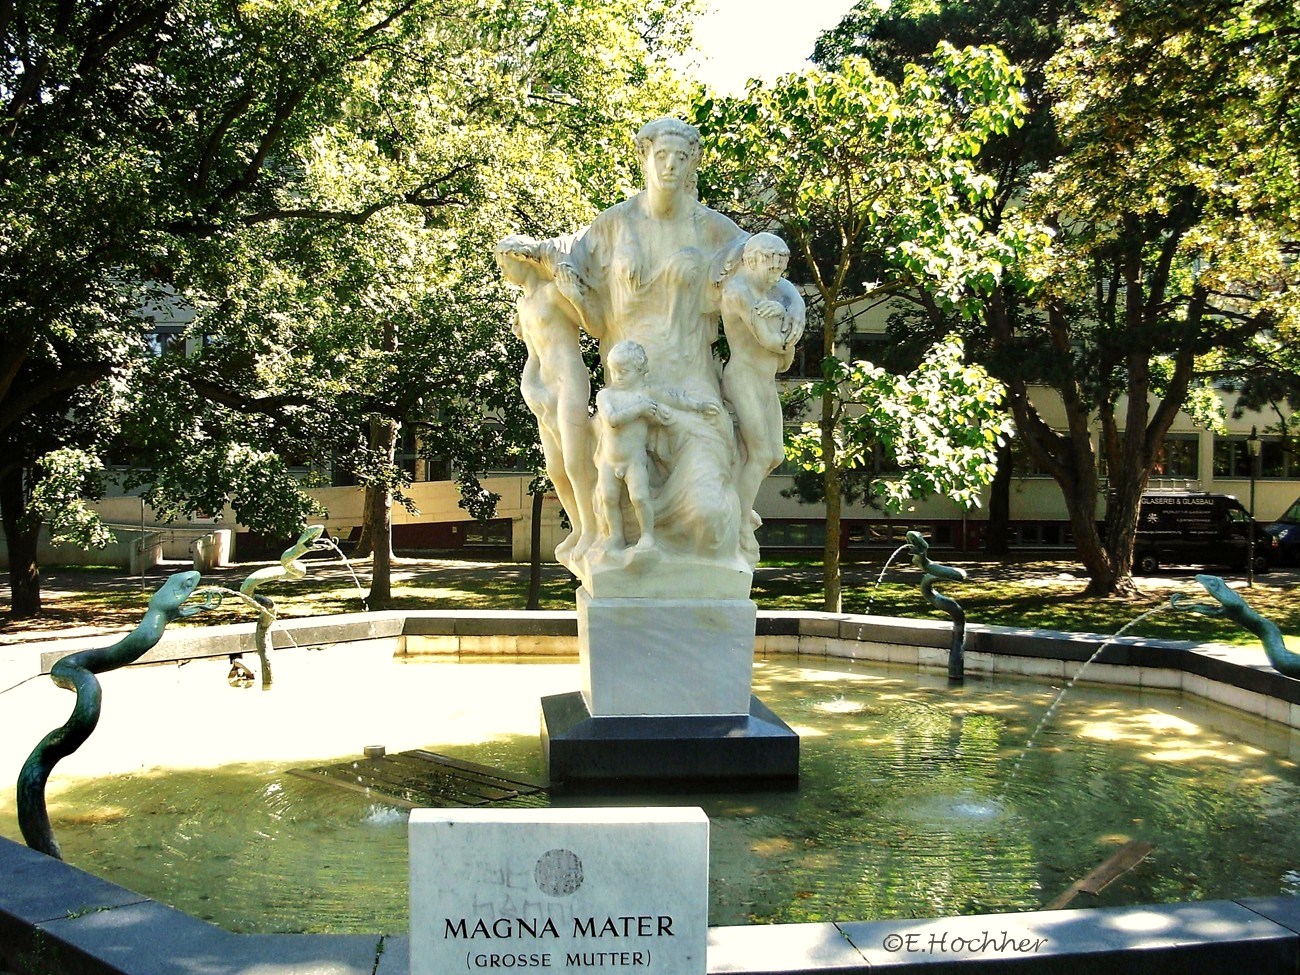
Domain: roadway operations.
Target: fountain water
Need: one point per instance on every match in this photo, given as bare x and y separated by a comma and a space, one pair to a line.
1056, 701
896, 788
881, 578
333, 543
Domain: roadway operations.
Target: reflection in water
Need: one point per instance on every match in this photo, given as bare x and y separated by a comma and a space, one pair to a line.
904, 808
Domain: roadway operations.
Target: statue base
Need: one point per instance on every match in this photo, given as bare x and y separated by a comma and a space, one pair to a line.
652, 574
587, 753
666, 698
665, 656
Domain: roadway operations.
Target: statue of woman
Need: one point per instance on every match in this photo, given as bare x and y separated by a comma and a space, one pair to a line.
649, 270
555, 386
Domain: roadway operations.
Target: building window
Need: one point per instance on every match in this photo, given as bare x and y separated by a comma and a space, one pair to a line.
867, 534
808, 356
1024, 463
866, 346
1276, 458
166, 338
1040, 534
1179, 456
792, 534
408, 457
487, 534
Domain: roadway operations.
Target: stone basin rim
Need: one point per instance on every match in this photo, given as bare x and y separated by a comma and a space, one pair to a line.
57, 918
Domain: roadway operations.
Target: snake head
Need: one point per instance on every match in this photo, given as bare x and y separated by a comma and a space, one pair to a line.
1220, 590
1182, 602
172, 594
1217, 588
212, 598
311, 538
917, 543
308, 541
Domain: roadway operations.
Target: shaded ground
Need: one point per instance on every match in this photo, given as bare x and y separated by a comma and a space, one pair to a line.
1030, 593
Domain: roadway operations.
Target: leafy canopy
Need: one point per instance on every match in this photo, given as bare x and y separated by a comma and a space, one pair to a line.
867, 176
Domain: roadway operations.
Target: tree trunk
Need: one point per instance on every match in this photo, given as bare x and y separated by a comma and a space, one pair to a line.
1108, 560
374, 523
379, 516
24, 572
535, 555
998, 528
834, 498
379, 504
833, 603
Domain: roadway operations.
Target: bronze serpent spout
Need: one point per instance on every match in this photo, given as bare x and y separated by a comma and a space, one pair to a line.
76, 672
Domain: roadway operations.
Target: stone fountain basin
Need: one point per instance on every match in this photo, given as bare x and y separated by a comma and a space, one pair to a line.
54, 917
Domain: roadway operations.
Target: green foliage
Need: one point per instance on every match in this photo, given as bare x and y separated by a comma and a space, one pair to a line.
1167, 169
320, 184
1193, 110
326, 325
67, 478
874, 186
882, 171
940, 424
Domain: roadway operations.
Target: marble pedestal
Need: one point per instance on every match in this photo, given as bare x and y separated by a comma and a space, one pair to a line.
665, 699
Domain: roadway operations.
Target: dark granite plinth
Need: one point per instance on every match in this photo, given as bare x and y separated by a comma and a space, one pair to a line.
757, 750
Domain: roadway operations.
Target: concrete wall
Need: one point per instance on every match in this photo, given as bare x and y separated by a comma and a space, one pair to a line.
437, 502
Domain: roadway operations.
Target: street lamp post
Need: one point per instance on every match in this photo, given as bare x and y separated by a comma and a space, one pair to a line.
1252, 447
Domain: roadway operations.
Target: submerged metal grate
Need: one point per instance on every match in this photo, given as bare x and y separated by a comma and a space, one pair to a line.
420, 779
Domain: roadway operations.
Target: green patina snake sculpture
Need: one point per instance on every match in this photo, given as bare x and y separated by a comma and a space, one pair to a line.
938, 572
290, 567
76, 672
1233, 607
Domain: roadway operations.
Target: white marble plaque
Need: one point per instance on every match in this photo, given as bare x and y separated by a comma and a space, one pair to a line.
586, 891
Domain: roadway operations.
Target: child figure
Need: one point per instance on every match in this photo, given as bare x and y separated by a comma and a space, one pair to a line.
624, 412
763, 315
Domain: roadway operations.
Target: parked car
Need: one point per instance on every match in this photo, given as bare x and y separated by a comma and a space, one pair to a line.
1286, 534
1198, 528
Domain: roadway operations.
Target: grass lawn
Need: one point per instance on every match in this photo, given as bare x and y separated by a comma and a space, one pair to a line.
1052, 604
1034, 594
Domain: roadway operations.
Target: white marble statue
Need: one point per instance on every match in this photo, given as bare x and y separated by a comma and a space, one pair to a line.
652, 271
763, 315
625, 414
555, 385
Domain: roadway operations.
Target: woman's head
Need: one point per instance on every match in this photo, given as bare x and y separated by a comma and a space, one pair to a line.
669, 151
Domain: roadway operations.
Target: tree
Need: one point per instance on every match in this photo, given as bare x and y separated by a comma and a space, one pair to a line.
872, 182
134, 139
162, 151
907, 31
1168, 186
940, 426
1178, 249
403, 316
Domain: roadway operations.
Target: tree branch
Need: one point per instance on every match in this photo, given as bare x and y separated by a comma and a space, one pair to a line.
19, 404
